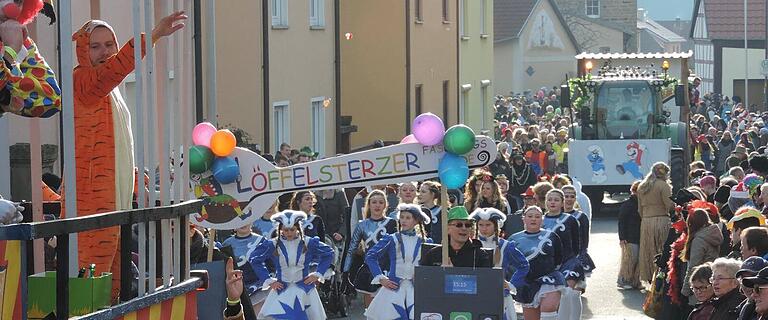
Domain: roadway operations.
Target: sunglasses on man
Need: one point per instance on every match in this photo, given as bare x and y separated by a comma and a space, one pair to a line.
467, 224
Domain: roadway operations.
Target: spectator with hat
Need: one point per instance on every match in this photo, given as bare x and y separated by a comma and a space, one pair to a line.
759, 284
463, 251
743, 218
759, 165
521, 176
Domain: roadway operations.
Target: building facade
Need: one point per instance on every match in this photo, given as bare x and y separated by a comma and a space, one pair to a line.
602, 25
533, 46
476, 65
722, 62
398, 59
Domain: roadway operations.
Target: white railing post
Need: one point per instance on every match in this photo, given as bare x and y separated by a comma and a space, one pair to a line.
68, 127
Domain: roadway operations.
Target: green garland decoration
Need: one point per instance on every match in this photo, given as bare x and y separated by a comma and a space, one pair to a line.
581, 93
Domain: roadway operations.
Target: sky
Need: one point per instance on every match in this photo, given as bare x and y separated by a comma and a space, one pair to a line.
667, 9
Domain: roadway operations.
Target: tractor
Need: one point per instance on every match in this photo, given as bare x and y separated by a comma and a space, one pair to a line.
628, 111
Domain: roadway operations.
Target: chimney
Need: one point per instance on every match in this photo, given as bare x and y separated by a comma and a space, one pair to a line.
677, 23
642, 15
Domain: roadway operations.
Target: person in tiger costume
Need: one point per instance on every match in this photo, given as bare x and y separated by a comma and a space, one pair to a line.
103, 139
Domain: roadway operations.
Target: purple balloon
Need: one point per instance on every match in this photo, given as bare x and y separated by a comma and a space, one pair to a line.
428, 129
409, 139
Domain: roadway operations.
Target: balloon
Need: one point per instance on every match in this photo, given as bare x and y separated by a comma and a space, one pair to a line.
428, 129
225, 170
453, 171
200, 159
223, 142
409, 139
459, 139
201, 134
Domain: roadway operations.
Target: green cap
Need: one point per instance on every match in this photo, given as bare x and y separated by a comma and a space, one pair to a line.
307, 151
458, 213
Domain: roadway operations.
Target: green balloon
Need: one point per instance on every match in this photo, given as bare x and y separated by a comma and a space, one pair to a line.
459, 139
200, 159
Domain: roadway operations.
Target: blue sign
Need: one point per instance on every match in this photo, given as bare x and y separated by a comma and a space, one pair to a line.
460, 284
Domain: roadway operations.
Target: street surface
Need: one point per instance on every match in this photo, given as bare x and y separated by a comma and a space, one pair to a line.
602, 299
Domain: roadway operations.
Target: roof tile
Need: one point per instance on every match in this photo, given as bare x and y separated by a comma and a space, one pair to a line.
725, 19
509, 17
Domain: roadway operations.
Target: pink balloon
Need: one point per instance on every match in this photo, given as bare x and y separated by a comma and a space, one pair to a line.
428, 129
409, 139
201, 134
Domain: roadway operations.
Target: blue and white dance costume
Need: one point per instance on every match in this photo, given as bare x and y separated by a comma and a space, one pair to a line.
242, 248
587, 264
434, 228
264, 227
543, 252
505, 256
314, 227
291, 258
403, 252
567, 228
369, 231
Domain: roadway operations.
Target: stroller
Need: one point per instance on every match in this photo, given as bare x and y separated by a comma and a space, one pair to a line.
332, 291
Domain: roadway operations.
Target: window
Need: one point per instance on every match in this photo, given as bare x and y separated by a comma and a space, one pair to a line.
593, 8
279, 13
417, 97
316, 13
318, 125
445, 100
446, 13
282, 123
464, 101
483, 18
417, 10
484, 84
463, 29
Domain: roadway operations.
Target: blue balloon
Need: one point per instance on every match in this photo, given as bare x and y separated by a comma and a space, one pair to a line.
453, 171
225, 170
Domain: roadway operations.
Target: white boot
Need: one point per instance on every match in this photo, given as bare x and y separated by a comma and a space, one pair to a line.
565, 308
575, 299
548, 316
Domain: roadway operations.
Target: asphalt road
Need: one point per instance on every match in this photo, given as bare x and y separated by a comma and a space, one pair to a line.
602, 300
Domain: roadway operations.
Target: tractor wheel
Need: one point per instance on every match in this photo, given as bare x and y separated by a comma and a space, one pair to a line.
678, 173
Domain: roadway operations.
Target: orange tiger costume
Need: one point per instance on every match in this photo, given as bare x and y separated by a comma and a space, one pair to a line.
103, 148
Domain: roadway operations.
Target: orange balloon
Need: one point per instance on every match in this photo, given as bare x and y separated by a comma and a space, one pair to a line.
223, 142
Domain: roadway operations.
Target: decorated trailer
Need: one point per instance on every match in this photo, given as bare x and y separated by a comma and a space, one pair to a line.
621, 125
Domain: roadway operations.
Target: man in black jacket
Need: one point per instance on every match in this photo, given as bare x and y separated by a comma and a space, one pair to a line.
629, 238
463, 251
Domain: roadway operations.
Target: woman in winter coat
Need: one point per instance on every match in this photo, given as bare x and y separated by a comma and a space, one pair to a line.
654, 204
723, 150
703, 245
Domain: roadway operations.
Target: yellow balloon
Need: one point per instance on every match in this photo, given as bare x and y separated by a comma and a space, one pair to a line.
223, 142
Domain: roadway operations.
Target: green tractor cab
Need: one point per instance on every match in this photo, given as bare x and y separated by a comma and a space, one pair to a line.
620, 123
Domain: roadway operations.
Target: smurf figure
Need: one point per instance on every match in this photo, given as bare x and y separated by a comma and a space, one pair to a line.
634, 163
596, 158
10, 212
